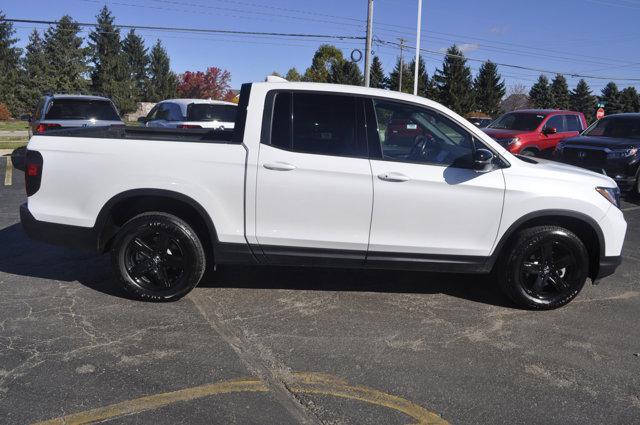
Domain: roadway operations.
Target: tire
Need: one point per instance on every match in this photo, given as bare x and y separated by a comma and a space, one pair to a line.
529, 152
531, 273
157, 257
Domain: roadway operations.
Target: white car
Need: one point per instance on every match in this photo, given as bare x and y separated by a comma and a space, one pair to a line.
324, 175
192, 113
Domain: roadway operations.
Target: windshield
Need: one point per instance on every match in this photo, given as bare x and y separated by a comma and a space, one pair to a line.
78, 109
521, 121
209, 112
618, 127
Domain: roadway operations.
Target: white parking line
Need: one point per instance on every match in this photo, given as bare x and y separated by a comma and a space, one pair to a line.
8, 172
637, 207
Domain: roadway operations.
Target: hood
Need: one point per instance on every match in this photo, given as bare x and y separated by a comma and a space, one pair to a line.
571, 173
604, 142
498, 133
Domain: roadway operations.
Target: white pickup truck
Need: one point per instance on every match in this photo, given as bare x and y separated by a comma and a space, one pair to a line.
323, 175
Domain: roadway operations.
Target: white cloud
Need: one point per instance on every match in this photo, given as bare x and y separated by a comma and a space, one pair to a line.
500, 29
464, 48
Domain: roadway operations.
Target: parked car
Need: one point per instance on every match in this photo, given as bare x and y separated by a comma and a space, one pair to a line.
480, 122
58, 111
609, 146
535, 132
192, 113
294, 184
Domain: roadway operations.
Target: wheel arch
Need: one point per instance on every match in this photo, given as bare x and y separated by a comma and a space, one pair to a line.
585, 227
126, 205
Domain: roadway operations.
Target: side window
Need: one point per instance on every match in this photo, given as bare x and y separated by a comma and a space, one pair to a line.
174, 113
557, 122
163, 112
573, 123
326, 124
411, 133
38, 112
281, 121
153, 113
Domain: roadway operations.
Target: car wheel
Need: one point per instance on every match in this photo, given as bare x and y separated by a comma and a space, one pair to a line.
545, 268
528, 152
158, 257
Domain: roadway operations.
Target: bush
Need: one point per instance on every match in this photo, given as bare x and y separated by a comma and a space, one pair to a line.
4, 112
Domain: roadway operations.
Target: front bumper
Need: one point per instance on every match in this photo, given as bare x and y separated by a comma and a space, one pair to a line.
82, 238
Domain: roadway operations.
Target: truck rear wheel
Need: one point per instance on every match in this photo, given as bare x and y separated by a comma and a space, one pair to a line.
158, 257
544, 268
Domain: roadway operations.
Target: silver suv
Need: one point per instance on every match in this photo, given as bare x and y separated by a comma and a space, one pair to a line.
57, 111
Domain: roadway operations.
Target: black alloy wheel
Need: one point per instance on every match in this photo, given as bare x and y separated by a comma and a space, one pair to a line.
158, 257
545, 267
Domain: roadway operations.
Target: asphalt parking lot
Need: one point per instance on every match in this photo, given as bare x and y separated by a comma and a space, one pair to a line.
320, 346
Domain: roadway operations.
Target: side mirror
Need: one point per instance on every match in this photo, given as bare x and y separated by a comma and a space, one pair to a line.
142, 120
549, 130
483, 160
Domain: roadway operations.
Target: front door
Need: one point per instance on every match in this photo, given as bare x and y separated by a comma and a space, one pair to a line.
314, 188
430, 204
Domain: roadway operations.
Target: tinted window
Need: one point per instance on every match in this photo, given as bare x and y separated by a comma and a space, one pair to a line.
573, 123
325, 124
76, 109
522, 121
38, 111
209, 112
557, 122
174, 113
415, 134
619, 127
281, 121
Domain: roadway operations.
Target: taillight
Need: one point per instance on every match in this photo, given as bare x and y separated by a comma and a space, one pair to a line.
189, 126
42, 127
33, 172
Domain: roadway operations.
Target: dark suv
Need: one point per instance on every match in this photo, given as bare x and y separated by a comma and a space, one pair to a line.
56, 111
610, 146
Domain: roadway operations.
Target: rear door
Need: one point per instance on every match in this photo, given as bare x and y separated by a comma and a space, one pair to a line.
314, 186
429, 205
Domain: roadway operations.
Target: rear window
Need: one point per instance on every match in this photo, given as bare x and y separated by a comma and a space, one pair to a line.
208, 112
521, 121
77, 109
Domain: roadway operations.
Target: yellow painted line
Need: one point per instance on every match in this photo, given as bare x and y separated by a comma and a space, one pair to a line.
8, 172
307, 383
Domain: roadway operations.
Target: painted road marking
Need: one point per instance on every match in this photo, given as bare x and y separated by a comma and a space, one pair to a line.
303, 383
8, 172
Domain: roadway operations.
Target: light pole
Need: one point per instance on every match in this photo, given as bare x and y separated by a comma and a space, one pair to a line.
367, 53
417, 67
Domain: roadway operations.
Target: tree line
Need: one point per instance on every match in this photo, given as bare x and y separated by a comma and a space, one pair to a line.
122, 68
55, 60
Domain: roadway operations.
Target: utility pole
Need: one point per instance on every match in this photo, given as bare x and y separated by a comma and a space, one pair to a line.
367, 53
402, 40
417, 67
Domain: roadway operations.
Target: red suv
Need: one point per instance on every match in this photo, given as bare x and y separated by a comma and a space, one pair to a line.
535, 132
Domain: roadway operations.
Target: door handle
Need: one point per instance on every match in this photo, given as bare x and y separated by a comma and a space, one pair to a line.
393, 177
279, 166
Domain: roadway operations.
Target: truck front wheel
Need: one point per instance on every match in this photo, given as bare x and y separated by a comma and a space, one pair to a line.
544, 268
158, 257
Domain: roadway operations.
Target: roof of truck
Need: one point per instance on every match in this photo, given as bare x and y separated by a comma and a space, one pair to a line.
185, 102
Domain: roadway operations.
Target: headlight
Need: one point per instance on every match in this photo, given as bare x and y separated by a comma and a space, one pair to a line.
611, 193
622, 153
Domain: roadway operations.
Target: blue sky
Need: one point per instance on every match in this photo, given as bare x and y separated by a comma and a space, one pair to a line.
594, 37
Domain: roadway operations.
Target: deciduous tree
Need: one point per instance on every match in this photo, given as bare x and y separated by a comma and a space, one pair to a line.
214, 84
323, 59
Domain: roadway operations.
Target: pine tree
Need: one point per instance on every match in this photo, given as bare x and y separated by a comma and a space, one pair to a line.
162, 81
488, 89
377, 78
35, 66
540, 93
138, 62
407, 78
583, 101
10, 71
325, 56
66, 58
111, 75
425, 84
454, 84
345, 72
629, 100
611, 99
293, 75
560, 93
